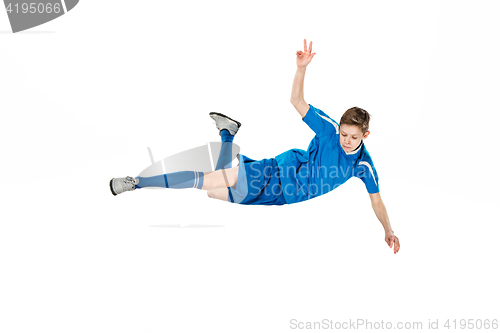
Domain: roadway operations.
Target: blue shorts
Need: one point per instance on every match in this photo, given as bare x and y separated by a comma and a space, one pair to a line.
258, 183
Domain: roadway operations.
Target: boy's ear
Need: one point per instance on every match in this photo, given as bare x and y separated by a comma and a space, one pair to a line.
366, 134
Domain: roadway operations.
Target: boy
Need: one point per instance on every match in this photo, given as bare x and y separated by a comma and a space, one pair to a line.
335, 154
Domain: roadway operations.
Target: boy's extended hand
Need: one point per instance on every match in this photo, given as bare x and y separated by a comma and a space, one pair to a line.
390, 239
304, 58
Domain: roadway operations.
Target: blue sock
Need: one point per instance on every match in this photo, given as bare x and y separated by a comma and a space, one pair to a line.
181, 179
226, 136
224, 161
225, 155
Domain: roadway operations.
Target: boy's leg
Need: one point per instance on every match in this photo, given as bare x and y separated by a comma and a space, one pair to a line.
220, 179
183, 179
223, 162
191, 179
218, 193
225, 155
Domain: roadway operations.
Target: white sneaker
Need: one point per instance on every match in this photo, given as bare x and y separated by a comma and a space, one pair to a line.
223, 122
120, 185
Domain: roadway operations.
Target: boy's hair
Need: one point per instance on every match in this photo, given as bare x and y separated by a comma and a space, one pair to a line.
356, 116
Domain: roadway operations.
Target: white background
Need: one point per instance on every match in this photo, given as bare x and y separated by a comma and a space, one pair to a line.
83, 96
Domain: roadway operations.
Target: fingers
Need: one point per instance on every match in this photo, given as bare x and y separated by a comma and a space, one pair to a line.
310, 46
393, 240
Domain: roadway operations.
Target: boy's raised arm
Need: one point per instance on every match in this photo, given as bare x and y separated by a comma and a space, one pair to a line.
297, 99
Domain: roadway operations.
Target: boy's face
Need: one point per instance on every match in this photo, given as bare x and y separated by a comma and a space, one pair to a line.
351, 136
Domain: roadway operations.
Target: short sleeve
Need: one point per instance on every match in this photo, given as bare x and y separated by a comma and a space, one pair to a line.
368, 174
320, 123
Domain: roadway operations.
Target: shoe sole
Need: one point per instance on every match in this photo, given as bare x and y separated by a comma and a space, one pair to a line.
223, 115
111, 187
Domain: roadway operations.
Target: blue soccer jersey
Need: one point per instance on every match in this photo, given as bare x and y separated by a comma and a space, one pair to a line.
325, 165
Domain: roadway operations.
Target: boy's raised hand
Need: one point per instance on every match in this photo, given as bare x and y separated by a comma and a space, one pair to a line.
304, 58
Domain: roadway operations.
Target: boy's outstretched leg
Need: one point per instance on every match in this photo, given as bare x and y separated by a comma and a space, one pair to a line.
183, 179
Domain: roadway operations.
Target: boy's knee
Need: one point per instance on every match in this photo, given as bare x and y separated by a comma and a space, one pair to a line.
213, 194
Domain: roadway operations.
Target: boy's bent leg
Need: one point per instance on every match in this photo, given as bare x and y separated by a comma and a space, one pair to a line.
224, 162
225, 154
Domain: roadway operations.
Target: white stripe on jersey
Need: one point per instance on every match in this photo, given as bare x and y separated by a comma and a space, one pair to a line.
369, 167
329, 120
